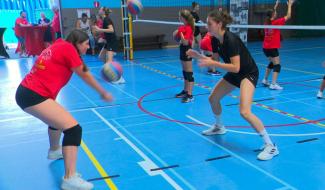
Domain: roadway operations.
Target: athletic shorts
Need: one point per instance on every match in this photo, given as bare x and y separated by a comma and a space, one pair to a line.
235, 79
271, 52
182, 53
26, 97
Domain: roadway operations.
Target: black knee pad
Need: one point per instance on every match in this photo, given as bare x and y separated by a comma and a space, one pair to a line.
270, 66
324, 77
189, 76
72, 136
277, 68
184, 75
52, 128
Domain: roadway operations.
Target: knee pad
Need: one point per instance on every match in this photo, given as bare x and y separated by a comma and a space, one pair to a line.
324, 77
270, 66
52, 128
72, 136
184, 75
277, 68
189, 76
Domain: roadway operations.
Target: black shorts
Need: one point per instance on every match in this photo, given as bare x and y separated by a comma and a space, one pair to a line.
235, 79
48, 35
26, 97
111, 45
197, 31
271, 52
182, 53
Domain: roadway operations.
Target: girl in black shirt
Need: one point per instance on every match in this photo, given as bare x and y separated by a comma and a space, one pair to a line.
242, 73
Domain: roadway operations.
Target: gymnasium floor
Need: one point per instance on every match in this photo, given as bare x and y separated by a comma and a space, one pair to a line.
148, 140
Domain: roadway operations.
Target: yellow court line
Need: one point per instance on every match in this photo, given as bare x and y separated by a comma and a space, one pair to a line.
99, 167
233, 96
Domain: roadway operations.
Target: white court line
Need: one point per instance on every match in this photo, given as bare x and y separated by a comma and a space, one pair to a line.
236, 156
123, 91
135, 63
154, 155
300, 101
138, 151
84, 95
254, 133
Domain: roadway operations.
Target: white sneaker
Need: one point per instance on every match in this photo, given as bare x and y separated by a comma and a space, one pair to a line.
55, 154
215, 130
269, 151
120, 81
265, 82
320, 95
275, 87
76, 183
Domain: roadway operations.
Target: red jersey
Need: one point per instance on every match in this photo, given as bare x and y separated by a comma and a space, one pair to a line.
19, 21
272, 36
56, 22
53, 69
187, 33
99, 24
206, 43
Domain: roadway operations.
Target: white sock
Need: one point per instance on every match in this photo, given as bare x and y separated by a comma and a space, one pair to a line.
265, 137
218, 120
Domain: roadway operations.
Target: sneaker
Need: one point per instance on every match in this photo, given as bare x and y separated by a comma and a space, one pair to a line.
181, 94
275, 87
119, 81
187, 98
320, 95
269, 151
76, 183
215, 130
55, 154
265, 82
214, 73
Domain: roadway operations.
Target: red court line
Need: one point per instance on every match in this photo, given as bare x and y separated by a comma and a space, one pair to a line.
140, 101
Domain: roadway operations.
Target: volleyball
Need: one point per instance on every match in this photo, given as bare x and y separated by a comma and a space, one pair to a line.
135, 7
112, 71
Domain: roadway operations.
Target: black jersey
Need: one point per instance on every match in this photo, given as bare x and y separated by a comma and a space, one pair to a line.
197, 19
232, 46
109, 36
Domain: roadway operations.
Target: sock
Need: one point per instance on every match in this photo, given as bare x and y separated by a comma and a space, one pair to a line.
218, 120
265, 137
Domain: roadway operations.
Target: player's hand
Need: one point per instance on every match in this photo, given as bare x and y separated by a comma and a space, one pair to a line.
207, 62
195, 54
107, 97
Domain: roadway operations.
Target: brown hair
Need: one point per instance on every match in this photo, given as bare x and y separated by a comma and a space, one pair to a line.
75, 37
269, 15
186, 14
194, 4
221, 16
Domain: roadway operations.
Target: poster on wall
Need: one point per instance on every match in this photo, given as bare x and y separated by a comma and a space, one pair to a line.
239, 13
81, 11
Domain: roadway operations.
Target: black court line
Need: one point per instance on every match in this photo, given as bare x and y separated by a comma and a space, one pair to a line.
103, 178
260, 100
217, 158
165, 168
257, 150
308, 140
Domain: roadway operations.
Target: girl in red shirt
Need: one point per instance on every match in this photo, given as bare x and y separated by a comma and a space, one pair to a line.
37, 93
271, 45
185, 34
206, 47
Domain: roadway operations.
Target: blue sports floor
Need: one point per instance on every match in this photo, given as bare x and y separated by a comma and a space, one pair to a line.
148, 140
